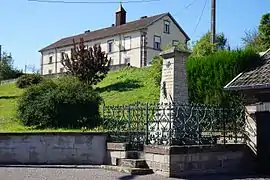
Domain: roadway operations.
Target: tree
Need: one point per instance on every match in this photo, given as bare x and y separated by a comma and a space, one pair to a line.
259, 40
88, 65
251, 40
7, 71
264, 32
203, 47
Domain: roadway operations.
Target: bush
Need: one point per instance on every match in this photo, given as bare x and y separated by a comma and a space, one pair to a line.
208, 75
65, 103
28, 79
156, 69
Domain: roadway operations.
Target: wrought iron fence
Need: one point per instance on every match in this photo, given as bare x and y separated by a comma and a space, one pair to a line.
174, 124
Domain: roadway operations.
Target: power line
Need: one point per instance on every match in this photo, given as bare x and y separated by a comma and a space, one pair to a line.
91, 2
185, 8
200, 17
190, 4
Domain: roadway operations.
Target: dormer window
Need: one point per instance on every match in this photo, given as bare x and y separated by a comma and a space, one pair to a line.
167, 27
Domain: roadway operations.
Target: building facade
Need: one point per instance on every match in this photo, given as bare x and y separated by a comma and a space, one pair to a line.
134, 43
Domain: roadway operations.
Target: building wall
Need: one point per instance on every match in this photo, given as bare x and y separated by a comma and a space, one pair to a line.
118, 57
52, 148
157, 29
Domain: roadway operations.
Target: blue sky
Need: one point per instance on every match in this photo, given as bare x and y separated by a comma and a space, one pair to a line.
27, 27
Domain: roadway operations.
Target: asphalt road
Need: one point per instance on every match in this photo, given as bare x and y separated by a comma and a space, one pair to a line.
26, 173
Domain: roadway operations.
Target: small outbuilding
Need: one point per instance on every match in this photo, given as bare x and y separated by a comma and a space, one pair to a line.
254, 83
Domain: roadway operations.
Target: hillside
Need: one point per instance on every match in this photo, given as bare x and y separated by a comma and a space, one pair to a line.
120, 87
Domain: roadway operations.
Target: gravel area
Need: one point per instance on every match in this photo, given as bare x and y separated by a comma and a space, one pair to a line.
90, 173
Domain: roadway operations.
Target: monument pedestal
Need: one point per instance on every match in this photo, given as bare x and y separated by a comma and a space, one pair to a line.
173, 92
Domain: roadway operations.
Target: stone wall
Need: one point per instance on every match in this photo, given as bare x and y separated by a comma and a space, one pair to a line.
176, 161
52, 148
116, 151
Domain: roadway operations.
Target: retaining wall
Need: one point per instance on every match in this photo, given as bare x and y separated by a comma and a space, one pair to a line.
183, 161
53, 148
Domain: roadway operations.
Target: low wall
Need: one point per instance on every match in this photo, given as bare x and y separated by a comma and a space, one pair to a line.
8, 81
183, 161
53, 148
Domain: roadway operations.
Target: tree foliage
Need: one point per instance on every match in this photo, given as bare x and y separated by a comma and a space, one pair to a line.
89, 65
27, 80
156, 69
203, 47
7, 70
259, 39
264, 31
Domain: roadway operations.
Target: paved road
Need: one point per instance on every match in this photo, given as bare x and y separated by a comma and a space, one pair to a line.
22, 173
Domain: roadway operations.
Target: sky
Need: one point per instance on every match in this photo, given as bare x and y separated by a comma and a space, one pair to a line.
26, 27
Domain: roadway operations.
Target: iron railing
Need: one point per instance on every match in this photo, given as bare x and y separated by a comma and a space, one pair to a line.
174, 124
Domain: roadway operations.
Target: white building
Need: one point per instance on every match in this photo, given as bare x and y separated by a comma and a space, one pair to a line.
134, 43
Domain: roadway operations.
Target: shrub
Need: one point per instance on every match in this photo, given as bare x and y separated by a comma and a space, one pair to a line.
28, 79
65, 103
156, 69
208, 75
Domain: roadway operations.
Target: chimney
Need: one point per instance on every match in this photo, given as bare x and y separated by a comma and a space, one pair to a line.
120, 16
143, 17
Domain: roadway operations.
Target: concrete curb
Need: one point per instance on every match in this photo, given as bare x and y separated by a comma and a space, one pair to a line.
55, 166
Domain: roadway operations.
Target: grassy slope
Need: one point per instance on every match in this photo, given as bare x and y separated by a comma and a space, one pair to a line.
120, 87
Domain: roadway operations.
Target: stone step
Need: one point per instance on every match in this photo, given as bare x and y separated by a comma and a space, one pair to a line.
134, 155
132, 163
128, 170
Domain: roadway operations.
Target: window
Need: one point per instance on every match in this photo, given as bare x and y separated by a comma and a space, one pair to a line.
127, 61
110, 46
127, 42
61, 70
50, 59
62, 55
167, 27
157, 42
175, 42
50, 71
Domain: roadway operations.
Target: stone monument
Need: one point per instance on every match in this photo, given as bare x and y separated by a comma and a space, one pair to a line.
173, 89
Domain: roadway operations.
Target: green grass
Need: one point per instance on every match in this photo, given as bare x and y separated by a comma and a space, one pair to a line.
121, 87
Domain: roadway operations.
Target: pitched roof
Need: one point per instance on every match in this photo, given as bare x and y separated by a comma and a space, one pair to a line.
111, 31
256, 78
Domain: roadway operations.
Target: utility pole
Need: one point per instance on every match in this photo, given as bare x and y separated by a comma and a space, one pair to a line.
213, 23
